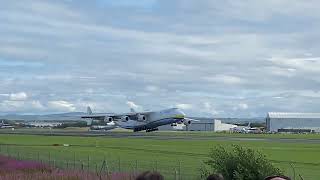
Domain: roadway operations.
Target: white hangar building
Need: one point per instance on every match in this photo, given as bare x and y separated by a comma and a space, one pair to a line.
203, 125
215, 125
293, 122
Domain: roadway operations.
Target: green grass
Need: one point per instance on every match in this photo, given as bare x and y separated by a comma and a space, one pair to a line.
223, 134
167, 156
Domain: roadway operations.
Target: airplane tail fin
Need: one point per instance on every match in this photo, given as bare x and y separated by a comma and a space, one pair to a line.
249, 125
132, 110
89, 111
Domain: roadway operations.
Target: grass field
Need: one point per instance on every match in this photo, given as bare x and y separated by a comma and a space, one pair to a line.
171, 157
222, 134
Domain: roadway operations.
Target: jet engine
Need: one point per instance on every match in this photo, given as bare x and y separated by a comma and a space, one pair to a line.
142, 117
186, 122
108, 119
125, 118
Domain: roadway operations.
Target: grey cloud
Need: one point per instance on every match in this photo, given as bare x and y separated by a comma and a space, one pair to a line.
218, 58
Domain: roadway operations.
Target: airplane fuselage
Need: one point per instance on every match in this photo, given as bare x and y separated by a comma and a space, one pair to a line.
154, 120
139, 121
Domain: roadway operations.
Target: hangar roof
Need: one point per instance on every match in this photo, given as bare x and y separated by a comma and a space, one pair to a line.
293, 115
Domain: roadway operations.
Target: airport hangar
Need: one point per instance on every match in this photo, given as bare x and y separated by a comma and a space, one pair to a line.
293, 122
203, 125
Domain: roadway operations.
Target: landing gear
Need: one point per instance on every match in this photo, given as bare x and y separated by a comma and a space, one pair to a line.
140, 129
144, 128
150, 130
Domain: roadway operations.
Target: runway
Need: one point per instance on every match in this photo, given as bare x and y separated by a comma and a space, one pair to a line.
157, 136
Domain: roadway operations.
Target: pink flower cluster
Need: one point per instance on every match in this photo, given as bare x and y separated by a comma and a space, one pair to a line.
8, 164
12, 169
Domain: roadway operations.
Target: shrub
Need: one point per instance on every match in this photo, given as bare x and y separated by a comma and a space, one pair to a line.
239, 163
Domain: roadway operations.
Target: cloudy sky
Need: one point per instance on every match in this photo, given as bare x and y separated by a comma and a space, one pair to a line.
208, 57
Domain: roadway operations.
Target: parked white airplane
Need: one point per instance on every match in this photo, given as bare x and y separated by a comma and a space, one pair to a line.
139, 121
245, 129
4, 125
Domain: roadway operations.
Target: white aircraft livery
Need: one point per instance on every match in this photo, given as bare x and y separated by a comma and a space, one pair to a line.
140, 121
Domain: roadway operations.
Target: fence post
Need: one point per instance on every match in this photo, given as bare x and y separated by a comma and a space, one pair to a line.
96, 168
156, 164
136, 168
107, 166
74, 160
103, 167
8, 151
119, 161
38, 156
88, 162
179, 170
294, 171
175, 174
49, 158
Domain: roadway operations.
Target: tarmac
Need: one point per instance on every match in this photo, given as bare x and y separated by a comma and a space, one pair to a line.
155, 136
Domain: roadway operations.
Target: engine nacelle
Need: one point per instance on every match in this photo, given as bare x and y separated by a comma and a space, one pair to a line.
142, 117
186, 122
125, 118
108, 119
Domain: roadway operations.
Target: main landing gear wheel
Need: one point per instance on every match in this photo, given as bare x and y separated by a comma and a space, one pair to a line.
150, 130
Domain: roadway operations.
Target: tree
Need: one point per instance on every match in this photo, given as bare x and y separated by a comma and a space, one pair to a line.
239, 163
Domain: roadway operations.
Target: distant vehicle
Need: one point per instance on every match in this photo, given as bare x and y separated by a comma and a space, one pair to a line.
246, 129
140, 121
4, 125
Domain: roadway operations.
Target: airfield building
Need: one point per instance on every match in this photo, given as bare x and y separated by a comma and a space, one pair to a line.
293, 122
203, 125
215, 125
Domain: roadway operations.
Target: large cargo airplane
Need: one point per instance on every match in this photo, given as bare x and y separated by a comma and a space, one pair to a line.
140, 121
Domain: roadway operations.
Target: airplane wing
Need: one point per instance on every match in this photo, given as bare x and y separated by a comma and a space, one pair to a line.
114, 116
97, 117
132, 114
92, 116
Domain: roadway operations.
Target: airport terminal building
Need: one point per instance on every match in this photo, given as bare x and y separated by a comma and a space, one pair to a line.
293, 122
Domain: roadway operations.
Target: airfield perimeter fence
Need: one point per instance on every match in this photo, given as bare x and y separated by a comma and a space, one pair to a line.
65, 158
